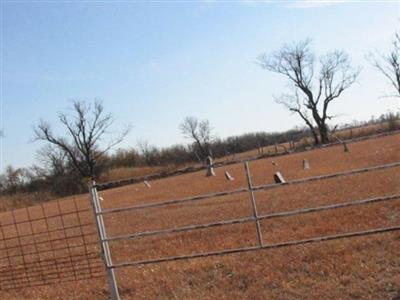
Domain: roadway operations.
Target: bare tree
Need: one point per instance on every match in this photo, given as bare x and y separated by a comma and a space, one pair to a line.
149, 153
85, 130
12, 179
200, 133
53, 159
389, 64
313, 89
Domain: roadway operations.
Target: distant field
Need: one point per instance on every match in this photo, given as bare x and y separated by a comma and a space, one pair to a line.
357, 268
129, 172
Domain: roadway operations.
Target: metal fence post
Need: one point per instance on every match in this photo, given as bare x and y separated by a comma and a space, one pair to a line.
105, 249
253, 203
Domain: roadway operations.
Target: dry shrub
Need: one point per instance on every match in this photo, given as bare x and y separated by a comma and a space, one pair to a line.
18, 200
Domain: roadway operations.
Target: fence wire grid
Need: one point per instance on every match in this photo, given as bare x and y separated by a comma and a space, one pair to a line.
49, 243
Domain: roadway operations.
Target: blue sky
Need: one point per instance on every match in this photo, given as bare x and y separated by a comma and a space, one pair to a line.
153, 63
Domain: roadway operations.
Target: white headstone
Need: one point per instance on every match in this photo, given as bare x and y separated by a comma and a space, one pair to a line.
279, 178
210, 168
228, 176
306, 164
146, 183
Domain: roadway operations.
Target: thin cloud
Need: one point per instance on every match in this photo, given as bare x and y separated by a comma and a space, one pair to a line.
287, 3
244, 2
314, 3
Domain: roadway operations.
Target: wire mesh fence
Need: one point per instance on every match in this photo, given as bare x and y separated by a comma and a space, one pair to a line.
48, 243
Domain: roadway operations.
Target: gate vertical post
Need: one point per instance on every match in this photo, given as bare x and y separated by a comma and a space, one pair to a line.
253, 203
105, 249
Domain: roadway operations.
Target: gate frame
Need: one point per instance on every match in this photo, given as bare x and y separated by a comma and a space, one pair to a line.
105, 249
256, 218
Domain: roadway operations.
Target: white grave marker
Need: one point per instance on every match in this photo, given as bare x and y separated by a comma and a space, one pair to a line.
279, 178
306, 164
210, 168
146, 183
228, 176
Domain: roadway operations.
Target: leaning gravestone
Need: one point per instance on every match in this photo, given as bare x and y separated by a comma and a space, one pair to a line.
228, 176
146, 183
306, 164
279, 178
210, 168
345, 148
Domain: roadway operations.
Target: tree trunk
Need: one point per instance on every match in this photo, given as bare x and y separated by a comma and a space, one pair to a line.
310, 125
324, 133
315, 136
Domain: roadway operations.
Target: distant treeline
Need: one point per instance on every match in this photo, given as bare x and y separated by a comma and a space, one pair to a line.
57, 177
147, 155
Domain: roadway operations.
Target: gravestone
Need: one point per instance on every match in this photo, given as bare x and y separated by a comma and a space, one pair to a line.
279, 178
146, 183
306, 164
228, 176
345, 148
210, 168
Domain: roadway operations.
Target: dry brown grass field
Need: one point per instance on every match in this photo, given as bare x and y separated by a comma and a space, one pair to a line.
355, 268
129, 172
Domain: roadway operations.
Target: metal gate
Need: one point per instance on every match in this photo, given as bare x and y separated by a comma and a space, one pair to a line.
255, 218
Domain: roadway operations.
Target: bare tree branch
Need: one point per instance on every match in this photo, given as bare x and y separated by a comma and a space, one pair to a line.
85, 129
311, 93
389, 64
200, 133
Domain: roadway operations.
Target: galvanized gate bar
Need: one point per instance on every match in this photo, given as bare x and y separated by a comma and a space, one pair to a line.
253, 203
269, 246
173, 202
112, 282
180, 229
252, 219
255, 188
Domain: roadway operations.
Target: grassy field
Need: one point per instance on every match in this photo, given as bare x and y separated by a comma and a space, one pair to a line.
129, 172
357, 268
